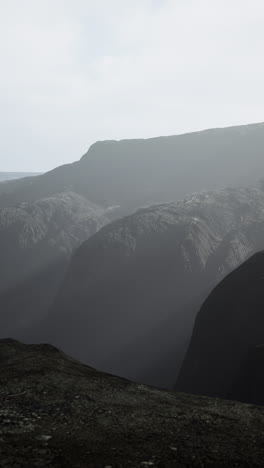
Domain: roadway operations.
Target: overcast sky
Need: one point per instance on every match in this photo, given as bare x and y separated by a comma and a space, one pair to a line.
77, 71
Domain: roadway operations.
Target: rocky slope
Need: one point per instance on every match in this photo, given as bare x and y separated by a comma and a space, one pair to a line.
36, 241
129, 300
225, 356
132, 173
57, 412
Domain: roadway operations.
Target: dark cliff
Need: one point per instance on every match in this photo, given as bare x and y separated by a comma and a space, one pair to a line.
224, 358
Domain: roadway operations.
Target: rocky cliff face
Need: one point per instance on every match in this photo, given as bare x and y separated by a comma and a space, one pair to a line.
36, 241
57, 412
132, 173
225, 356
132, 291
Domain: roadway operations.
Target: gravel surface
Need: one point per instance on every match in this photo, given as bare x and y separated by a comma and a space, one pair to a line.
56, 412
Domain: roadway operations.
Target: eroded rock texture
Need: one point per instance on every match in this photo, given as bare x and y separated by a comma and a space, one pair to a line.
36, 242
132, 291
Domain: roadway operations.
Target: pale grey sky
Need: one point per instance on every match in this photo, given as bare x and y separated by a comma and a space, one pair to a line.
77, 71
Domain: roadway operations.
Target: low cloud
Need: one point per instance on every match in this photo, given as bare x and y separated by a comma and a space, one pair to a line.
77, 71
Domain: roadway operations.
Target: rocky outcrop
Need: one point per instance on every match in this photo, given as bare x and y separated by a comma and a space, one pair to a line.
36, 242
225, 356
57, 412
131, 294
132, 173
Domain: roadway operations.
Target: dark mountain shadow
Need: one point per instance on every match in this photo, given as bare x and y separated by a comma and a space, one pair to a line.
224, 358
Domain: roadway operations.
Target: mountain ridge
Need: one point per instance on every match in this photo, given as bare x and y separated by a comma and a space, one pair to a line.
176, 135
148, 274
37, 240
155, 166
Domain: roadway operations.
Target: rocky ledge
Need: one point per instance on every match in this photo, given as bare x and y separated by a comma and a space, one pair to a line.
57, 412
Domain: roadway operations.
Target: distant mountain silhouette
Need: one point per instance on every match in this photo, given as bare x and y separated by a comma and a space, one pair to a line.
225, 357
132, 173
16, 175
132, 290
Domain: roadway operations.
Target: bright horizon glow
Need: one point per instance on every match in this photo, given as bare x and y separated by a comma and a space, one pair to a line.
74, 72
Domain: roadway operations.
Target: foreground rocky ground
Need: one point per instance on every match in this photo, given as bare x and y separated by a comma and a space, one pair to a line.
56, 412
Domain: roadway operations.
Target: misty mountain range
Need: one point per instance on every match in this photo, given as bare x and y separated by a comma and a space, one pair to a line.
111, 258
37, 240
135, 287
16, 175
134, 173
